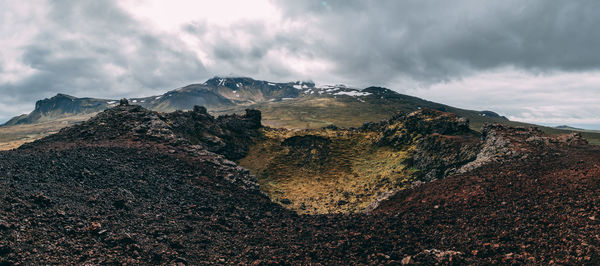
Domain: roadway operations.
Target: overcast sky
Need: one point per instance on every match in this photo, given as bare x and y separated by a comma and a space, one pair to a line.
533, 61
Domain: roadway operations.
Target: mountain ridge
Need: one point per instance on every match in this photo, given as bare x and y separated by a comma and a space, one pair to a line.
59, 106
215, 93
292, 105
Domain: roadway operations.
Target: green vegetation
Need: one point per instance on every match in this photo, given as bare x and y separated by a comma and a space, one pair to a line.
319, 111
345, 175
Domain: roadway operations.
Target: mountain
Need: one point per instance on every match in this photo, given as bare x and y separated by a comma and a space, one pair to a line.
135, 186
219, 93
184, 99
222, 94
247, 90
342, 106
296, 105
568, 127
61, 106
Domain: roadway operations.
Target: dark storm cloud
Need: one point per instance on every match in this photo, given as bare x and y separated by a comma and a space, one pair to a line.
98, 49
251, 48
93, 48
438, 40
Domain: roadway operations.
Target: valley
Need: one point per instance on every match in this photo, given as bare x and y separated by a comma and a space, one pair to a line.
13, 136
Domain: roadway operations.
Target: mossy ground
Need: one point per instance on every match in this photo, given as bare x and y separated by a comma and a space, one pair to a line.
354, 173
317, 112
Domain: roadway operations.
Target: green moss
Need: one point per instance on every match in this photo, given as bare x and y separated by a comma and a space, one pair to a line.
354, 173
316, 112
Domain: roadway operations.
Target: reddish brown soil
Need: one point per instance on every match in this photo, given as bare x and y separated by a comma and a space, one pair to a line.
536, 211
161, 200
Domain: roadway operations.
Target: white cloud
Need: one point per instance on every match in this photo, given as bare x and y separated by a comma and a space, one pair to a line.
18, 27
534, 61
171, 15
553, 98
86, 48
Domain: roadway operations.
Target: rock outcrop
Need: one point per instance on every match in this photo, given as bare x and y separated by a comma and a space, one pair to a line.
406, 129
501, 142
440, 142
227, 135
195, 134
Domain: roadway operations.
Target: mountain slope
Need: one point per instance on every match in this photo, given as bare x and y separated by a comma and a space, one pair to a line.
61, 106
184, 99
250, 90
218, 93
123, 186
296, 105
351, 108
542, 202
222, 94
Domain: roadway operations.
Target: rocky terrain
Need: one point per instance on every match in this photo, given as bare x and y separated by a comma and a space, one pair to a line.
346, 169
135, 186
536, 202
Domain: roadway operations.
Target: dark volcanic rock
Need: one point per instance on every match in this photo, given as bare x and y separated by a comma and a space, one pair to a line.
534, 206
97, 205
228, 135
130, 187
442, 141
438, 156
124, 102
405, 129
501, 142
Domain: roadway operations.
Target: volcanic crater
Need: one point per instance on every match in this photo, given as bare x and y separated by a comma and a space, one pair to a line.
136, 186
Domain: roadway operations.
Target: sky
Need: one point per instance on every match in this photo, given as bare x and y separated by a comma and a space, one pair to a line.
534, 61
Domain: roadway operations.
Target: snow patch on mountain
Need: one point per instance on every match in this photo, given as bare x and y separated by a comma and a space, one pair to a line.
352, 93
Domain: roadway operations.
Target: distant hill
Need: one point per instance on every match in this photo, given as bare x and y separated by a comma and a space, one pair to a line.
215, 93
61, 106
570, 128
